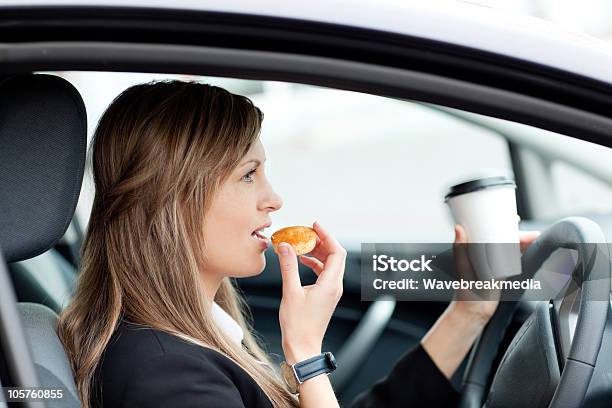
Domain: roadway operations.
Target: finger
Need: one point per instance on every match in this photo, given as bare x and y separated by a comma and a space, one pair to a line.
460, 234
312, 263
333, 270
325, 243
289, 268
526, 238
529, 235
319, 252
331, 254
328, 241
463, 264
335, 257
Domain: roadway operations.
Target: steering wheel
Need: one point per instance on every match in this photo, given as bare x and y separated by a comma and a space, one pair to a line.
545, 365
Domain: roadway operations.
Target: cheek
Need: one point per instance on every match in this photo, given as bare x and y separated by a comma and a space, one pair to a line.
234, 256
230, 249
226, 220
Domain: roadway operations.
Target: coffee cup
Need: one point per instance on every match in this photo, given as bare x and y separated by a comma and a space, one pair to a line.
486, 209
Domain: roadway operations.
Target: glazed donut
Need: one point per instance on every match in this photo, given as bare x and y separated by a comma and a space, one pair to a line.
302, 239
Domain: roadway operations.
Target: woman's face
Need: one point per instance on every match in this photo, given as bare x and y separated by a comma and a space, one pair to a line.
241, 206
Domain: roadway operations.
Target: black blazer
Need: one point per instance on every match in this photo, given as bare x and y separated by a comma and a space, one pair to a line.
144, 367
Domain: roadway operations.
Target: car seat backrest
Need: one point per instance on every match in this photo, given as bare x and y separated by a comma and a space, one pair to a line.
43, 137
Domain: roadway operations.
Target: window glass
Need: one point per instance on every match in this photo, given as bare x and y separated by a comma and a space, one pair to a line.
369, 168
579, 192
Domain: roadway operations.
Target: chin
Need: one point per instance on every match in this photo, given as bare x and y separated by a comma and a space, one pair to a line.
262, 264
256, 268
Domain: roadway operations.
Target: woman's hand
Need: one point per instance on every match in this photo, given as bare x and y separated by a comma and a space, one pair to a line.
452, 336
478, 309
305, 311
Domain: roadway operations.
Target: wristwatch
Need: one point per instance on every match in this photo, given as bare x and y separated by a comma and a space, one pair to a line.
297, 373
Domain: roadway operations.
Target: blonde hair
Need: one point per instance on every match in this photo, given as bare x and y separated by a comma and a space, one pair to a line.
159, 153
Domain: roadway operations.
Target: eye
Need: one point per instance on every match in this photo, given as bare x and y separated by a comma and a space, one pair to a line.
249, 176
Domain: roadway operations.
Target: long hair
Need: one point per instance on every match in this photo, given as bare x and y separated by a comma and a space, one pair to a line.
159, 154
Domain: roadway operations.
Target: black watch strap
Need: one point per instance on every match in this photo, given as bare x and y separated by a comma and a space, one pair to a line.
323, 363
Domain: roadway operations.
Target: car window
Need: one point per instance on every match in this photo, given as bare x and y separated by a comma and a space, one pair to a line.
370, 168
579, 192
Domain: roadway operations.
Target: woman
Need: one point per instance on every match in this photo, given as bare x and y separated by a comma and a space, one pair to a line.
181, 197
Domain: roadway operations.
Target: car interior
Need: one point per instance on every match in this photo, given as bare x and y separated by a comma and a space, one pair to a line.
45, 126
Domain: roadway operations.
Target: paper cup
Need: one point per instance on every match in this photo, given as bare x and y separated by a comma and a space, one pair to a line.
486, 208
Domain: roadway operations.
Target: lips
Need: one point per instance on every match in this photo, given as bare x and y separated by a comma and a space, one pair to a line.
258, 233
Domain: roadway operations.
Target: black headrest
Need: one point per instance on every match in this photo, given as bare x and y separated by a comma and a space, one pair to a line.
43, 138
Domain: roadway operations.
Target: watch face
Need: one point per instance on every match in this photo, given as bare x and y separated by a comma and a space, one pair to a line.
289, 377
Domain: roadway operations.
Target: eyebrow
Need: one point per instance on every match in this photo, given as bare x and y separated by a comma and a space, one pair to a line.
255, 161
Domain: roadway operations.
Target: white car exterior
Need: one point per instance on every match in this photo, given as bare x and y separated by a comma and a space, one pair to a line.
452, 22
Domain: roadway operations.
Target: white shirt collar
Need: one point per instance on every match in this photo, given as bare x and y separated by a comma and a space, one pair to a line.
226, 323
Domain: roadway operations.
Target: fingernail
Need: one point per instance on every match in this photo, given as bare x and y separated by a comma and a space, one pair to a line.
283, 248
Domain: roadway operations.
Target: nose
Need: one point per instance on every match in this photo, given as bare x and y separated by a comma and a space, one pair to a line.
276, 202
272, 201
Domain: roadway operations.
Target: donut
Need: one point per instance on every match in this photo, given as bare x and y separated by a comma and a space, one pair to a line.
302, 239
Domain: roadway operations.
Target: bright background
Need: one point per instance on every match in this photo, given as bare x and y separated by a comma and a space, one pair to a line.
376, 169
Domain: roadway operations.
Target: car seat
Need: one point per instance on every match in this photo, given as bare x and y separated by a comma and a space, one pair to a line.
43, 137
